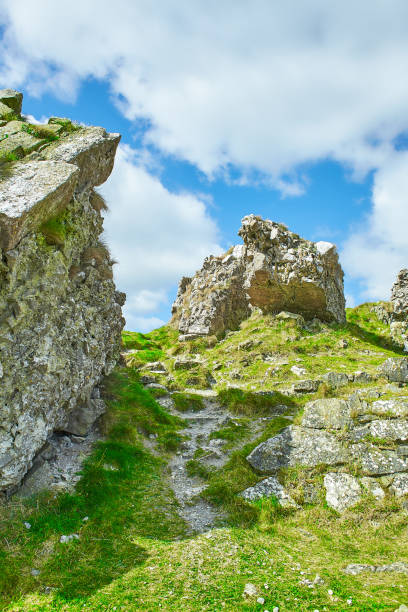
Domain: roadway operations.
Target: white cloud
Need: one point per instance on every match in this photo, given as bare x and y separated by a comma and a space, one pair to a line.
262, 88
157, 236
377, 250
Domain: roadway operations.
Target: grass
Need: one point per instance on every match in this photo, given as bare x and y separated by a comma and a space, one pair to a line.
184, 402
40, 131
123, 504
247, 403
54, 231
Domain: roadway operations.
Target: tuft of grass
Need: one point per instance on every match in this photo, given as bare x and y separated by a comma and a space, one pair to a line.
54, 231
247, 403
98, 202
184, 402
196, 468
233, 432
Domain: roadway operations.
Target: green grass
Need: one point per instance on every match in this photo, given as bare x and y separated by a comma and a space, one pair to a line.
252, 404
184, 402
40, 131
123, 504
133, 553
54, 231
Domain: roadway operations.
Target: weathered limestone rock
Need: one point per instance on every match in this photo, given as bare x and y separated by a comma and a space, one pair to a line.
306, 386
393, 408
376, 462
399, 309
92, 150
12, 98
268, 488
400, 485
358, 568
395, 369
60, 315
372, 487
342, 490
35, 191
327, 414
297, 446
335, 379
274, 270
389, 430
81, 419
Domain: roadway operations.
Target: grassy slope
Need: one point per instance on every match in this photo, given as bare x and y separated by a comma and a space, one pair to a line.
277, 346
132, 553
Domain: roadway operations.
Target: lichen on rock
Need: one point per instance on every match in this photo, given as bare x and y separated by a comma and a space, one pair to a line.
60, 313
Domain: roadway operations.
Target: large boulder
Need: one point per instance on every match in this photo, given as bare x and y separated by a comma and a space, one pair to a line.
274, 270
297, 446
331, 413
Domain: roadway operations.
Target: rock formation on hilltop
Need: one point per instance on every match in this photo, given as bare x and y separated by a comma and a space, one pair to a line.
273, 270
399, 309
60, 315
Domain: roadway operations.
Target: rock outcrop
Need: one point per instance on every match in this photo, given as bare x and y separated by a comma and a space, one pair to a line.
274, 270
60, 314
399, 309
339, 434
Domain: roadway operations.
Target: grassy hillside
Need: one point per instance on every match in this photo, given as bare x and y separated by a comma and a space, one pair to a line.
133, 552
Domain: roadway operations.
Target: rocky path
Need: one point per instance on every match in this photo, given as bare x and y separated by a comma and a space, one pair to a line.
199, 514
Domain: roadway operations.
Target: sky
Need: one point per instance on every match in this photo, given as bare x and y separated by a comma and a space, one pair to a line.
296, 111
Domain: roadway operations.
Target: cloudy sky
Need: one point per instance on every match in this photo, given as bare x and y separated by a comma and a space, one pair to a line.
297, 111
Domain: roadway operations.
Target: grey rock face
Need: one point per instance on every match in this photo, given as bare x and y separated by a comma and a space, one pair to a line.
358, 568
375, 462
306, 386
35, 191
60, 315
274, 270
395, 369
393, 408
400, 485
342, 490
327, 414
268, 488
12, 98
399, 309
81, 419
335, 379
297, 446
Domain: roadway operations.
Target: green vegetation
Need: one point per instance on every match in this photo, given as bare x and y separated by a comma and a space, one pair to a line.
121, 493
40, 131
54, 231
133, 552
252, 404
184, 402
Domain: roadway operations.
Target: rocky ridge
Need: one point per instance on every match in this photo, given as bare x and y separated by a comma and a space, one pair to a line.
274, 270
60, 314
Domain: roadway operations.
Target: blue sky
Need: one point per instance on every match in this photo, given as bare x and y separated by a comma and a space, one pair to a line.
298, 116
